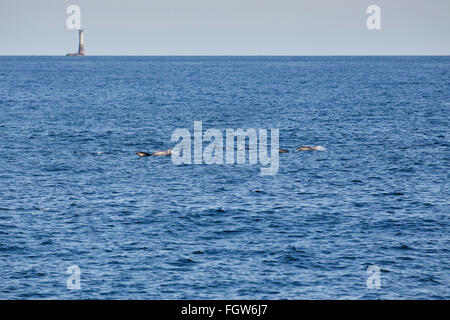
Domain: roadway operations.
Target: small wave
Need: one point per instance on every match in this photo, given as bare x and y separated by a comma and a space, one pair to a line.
9, 248
403, 247
393, 193
45, 209
183, 262
89, 153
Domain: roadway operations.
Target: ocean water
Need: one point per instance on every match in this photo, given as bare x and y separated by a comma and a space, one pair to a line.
149, 229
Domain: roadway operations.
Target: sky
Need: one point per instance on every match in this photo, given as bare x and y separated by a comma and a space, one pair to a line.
226, 27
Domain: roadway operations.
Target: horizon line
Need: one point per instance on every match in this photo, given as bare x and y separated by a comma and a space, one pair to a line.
233, 55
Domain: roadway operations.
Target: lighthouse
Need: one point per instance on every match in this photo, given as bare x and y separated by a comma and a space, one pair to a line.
80, 45
81, 42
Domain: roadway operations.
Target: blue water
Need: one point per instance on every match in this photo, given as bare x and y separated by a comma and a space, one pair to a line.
148, 229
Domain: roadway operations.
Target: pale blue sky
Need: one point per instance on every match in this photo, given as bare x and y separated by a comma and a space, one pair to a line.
226, 27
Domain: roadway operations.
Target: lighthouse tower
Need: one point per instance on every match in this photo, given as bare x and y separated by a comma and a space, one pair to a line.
80, 51
81, 42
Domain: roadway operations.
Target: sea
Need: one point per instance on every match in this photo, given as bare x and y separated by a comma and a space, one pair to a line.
83, 217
